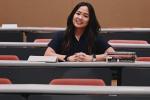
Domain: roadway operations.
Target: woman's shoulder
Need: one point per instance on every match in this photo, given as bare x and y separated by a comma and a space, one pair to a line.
57, 38
58, 34
99, 37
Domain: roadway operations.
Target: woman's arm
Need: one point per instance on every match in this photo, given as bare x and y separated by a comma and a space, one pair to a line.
110, 49
50, 52
100, 57
78, 56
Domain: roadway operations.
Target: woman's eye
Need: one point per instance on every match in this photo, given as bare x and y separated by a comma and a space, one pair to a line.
86, 16
78, 13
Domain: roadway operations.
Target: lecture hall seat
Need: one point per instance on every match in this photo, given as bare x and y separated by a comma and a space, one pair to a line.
143, 59
5, 81
70, 81
9, 96
139, 52
42, 40
95, 82
9, 57
6, 57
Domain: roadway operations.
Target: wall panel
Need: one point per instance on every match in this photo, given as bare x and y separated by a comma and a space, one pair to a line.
110, 13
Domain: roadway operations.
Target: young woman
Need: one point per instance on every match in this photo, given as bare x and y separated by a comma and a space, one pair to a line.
81, 40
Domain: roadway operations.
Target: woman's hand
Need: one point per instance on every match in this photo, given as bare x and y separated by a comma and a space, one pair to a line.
73, 58
83, 57
80, 57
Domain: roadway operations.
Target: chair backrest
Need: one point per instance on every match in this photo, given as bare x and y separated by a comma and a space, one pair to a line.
143, 59
129, 41
42, 40
5, 81
9, 57
95, 82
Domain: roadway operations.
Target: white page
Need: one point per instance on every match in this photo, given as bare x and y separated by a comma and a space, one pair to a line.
9, 26
43, 58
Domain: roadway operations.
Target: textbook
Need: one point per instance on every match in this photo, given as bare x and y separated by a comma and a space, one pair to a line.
121, 57
121, 53
50, 59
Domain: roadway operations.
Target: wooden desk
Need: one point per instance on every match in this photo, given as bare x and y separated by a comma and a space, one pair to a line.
28, 72
25, 30
123, 45
35, 44
73, 64
63, 89
50, 29
30, 44
22, 44
76, 89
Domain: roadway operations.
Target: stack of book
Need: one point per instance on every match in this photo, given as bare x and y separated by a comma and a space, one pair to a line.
121, 57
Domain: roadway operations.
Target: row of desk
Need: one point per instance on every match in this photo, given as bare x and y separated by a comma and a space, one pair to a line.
22, 44
51, 29
25, 73
25, 49
30, 33
63, 92
73, 89
43, 72
11, 63
38, 44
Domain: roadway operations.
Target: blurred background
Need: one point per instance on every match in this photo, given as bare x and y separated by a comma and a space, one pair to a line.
53, 13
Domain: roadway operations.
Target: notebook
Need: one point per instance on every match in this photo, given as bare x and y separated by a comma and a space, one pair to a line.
9, 26
43, 58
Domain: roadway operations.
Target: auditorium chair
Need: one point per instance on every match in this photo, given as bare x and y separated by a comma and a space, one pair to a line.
9, 96
5, 81
70, 81
129, 41
143, 59
9, 57
42, 40
3, 71
139, 52
95, 82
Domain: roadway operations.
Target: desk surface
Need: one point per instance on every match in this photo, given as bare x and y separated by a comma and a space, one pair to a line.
23, 44
22, 63
33, 29
76, 89
39, 44
50, 29
125, 45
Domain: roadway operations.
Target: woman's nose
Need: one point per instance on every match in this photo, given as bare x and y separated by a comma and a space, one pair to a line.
80, 17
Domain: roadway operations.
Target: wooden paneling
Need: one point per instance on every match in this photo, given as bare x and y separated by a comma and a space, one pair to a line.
53, 13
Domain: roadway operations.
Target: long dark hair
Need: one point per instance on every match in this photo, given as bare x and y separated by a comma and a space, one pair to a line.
91, 30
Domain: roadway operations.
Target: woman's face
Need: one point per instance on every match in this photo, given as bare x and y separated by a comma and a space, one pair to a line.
81, 17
